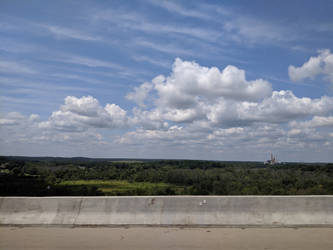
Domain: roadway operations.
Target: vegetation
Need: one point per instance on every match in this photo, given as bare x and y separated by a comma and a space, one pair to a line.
116, 187
83, 176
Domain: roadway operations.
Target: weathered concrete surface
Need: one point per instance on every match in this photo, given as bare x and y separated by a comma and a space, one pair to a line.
170, 238
169, 210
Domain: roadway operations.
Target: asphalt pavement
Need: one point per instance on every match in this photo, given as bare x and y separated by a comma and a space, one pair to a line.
171, 238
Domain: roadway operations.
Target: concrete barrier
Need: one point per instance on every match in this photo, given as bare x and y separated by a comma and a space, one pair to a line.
168, 211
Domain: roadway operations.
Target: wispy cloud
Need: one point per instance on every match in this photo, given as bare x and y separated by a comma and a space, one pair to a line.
66, 33
20, 100
15, 24
256, 31
174, 7
138, 22
78, 78
13, 46
165, 48
234, 25
15, 67
153, 61
87, 61
46, 86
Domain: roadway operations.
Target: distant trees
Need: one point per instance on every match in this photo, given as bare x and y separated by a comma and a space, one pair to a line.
41, 177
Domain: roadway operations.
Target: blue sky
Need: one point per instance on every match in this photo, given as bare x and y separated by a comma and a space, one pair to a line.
222, 80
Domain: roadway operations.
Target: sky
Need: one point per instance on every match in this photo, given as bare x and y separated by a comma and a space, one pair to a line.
210, 80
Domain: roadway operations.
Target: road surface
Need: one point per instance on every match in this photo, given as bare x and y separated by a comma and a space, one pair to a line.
154, 238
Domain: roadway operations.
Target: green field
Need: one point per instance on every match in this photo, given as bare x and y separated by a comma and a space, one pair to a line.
116, 187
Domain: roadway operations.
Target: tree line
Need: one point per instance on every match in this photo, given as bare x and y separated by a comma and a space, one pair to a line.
41, 177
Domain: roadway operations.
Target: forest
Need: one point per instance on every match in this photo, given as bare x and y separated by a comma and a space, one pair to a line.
48, 176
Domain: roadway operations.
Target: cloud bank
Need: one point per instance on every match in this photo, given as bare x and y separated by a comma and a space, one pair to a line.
194, 108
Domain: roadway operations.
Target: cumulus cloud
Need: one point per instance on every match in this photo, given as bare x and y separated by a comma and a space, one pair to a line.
194, 108
140, 94
189, 81
221, 110
186, 95
315, 122
319, 65
222, 98
154, 136
18, 129
78, 114
148, 119
12, 118
281, 107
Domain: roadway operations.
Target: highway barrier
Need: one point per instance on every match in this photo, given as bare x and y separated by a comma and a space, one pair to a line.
234, 211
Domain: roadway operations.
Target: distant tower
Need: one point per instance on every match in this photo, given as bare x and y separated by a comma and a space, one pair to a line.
273, 160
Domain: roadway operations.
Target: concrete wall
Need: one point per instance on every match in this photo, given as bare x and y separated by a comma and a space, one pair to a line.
169, 210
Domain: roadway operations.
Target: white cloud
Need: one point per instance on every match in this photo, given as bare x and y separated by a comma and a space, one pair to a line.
34, 117
191, 90
194, 109
222, 98
18, 130
168, 48
80, 114
12, 118
189, 82
220, 111
15, 68
152, 61
66, 33
281, 107
315, 122
13, 46
140, 94
134, 21
253, 30
174, 7
151, 120
185, 114
172, 136
89, 62
319, 65
236, 27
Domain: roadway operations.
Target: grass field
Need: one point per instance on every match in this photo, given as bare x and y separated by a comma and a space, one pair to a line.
116, 187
